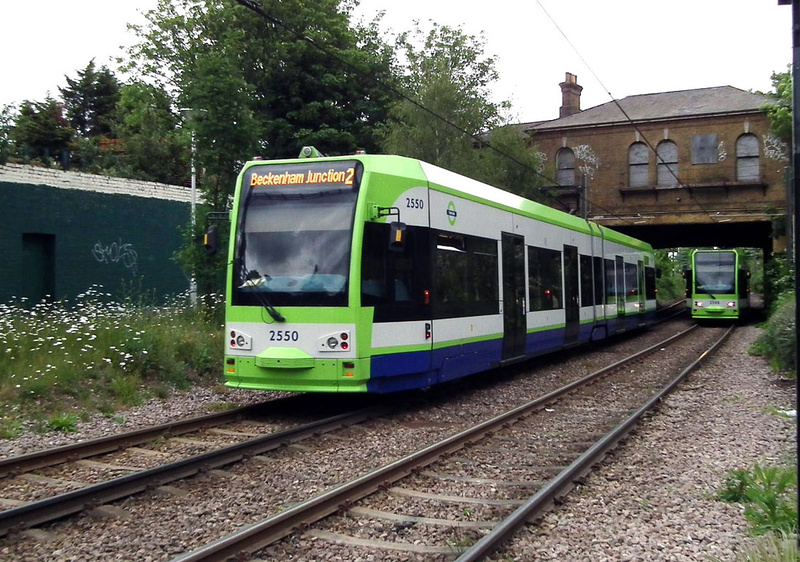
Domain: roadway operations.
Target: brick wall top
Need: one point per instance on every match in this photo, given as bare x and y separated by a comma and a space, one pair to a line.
22, 174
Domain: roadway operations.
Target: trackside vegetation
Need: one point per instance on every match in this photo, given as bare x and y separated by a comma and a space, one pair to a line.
769, 495
777, 341
63, 361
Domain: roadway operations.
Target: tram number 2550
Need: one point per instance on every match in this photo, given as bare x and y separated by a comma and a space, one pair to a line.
414, 203
284, 335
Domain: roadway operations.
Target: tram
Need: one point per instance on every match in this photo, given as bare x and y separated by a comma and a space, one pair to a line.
717, 285
379, 273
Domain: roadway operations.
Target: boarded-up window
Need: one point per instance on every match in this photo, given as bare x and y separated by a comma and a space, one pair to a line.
638, 165
565, 164
704, 149
747, 158
667, 168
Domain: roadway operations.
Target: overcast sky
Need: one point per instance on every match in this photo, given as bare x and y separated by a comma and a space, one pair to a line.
624, 47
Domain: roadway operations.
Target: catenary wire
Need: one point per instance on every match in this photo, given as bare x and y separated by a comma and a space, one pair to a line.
256, 7
659, 158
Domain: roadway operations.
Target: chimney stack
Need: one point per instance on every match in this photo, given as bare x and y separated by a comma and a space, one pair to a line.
570, 96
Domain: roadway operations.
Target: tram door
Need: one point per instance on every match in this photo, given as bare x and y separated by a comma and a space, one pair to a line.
622, 293
572, 311
514, 320
640, 293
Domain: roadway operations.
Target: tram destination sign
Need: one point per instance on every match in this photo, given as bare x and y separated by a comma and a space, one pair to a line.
336, 175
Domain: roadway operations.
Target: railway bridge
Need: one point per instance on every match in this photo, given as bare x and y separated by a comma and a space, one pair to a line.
678, 169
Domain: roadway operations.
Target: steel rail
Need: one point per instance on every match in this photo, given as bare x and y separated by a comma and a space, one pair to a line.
50, 509
564, 480
275, 527
51, 457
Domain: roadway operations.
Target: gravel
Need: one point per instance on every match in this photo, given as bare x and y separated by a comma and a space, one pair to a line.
180, 405
656, 499
653, 499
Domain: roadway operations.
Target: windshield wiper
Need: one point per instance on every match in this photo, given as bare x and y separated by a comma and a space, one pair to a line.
251, 277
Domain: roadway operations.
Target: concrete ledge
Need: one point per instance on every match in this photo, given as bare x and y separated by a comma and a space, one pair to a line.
53, 177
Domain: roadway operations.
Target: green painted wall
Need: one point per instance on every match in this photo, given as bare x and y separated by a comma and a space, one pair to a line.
66, 240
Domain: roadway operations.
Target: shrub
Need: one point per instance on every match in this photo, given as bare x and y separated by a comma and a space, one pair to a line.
777, 341
68, 423
770, 496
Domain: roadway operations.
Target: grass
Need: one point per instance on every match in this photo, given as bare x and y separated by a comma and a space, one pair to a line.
61, 361
775, 547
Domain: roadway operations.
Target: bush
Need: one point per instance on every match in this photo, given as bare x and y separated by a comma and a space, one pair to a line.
770, 496
777, 341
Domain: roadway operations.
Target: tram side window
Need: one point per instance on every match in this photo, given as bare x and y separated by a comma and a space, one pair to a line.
466, 273
394, 282
587, 282
598, 281
544, 279
650, 283
631, 280
611, 282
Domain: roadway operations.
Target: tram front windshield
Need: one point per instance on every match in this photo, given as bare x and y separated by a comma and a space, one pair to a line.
715, 272
293, 246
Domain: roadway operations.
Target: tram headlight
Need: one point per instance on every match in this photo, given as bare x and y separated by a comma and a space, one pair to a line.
731, 304
698, 304
337, 341
240, 340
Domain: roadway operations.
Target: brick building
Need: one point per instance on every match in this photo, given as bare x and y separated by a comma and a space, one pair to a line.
680, 168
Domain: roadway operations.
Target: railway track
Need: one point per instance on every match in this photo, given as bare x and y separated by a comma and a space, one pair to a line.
13, 466
286, 476
466, 494
33, 513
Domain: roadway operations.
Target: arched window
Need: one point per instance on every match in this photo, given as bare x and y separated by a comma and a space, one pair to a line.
565, 166
747, 158
638, 165
667, 166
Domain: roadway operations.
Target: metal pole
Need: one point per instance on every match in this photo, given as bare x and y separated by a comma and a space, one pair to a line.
189, 114
794, 185
192, 280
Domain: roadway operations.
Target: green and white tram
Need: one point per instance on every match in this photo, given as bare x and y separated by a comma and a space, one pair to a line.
373, 273
717, 285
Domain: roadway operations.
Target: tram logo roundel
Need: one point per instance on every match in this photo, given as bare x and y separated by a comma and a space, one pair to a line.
451, 213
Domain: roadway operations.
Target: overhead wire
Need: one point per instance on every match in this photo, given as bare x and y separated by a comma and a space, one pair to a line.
642, 136
257, 8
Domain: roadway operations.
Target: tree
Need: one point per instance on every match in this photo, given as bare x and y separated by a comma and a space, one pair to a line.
41, 130
671, 284
91, 99
151, 146
7, 115
506, 161
780, 111
447, 117
259, 88
446, 83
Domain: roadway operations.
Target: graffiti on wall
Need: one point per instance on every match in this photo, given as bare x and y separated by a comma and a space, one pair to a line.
775, 148
542, 159
590, 160
116, 252
722, 154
